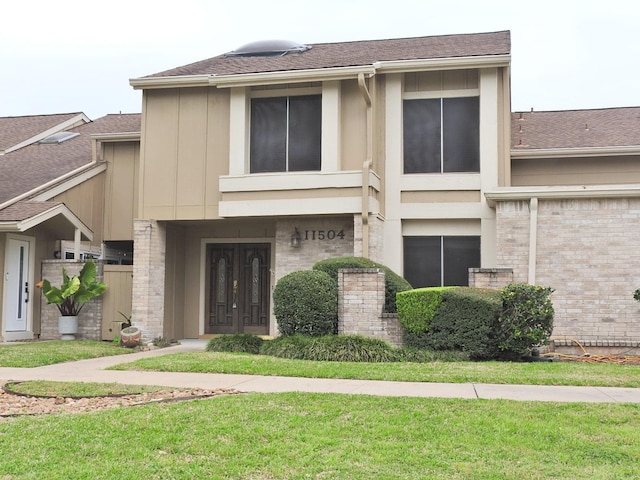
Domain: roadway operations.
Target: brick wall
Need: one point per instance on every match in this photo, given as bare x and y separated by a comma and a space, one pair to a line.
587, 250
313, 248
360, 305
90, 318
490, 277
149, 278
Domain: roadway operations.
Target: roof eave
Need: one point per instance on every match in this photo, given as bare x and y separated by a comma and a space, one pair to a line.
526, 153
320, 74
35, 220
569, 192
447, 63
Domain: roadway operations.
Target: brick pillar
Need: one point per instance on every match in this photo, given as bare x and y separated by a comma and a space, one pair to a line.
149, 278
361, 295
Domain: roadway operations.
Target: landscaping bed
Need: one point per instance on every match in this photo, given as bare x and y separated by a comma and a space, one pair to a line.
14, 404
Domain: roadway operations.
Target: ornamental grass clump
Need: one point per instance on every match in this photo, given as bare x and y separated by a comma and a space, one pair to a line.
239, 342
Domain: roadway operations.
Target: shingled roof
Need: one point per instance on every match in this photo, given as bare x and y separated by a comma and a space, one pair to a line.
346, 54
14, 130
607, 127
31, 167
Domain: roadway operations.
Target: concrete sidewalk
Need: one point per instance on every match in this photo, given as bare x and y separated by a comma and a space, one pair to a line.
93, 371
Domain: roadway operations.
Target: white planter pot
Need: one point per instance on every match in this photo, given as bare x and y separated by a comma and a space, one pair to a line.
68, 327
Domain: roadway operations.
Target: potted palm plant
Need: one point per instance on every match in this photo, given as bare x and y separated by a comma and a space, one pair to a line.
71, 296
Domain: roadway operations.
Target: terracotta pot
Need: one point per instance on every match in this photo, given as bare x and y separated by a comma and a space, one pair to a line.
130, 336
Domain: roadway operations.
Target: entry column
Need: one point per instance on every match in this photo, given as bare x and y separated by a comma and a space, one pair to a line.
147, 310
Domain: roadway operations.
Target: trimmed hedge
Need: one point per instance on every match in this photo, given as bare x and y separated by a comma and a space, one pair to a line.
416, 308
482, 323
394, 283
306, 303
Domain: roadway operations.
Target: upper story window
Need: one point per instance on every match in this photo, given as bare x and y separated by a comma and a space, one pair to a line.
441, 135
286, 134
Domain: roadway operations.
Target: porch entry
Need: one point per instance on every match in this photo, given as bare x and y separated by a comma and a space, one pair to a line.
238, 288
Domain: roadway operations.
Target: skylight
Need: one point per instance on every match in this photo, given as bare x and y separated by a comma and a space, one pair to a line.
268, 48
59, 137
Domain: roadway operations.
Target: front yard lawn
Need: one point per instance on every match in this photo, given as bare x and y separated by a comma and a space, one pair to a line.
38, 354
329, 436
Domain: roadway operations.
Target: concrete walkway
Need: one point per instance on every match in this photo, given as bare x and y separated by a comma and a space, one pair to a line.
93, 370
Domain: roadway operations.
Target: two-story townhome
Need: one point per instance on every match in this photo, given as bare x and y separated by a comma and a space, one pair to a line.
261, 161
264, 160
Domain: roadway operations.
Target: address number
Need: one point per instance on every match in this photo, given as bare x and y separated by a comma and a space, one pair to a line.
323, 234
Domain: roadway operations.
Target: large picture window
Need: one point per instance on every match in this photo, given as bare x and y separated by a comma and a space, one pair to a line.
441, 135
434, 261
286, 134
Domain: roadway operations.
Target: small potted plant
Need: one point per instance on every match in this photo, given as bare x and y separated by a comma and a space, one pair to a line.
71, 296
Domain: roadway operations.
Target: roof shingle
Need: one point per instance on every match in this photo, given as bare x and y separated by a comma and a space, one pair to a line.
346, 54
37, 164
607, 127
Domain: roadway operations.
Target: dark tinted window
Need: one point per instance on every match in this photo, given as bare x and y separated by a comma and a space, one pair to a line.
433, 261
441, 135
286, 134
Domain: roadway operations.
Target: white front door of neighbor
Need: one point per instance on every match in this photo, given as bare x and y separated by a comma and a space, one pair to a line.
17, 286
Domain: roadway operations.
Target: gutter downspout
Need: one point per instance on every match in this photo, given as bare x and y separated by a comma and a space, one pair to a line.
366, 166
533, 239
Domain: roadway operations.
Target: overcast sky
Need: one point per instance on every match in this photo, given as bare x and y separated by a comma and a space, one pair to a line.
78, 55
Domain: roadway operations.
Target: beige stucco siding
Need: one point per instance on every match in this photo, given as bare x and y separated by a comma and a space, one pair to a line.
576, 171
121, 189
186, 149
443, 196
353, 131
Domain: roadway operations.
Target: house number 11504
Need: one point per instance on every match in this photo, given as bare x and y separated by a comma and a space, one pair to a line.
323, 234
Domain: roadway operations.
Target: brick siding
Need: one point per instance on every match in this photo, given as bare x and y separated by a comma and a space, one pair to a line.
586, 251
361, 294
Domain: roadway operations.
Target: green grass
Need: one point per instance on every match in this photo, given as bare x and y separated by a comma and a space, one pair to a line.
328, 436
538, 373
46, 388
38, 354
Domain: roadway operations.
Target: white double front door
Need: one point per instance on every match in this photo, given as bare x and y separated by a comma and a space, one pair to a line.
17, 286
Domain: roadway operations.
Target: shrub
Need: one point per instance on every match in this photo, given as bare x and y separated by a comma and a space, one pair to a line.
350, 348
293, 347
394, 283
306, 303
240, 342
636, 294
416, 308
526, 319
466, 321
